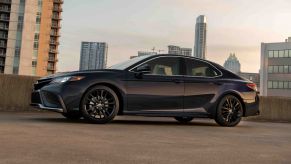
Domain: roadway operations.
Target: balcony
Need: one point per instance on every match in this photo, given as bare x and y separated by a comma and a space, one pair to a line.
2, 55
5, 1
4, 28
3, 36
55, 34
5, 9
53, 51
56, 26
6, 19
59, 1
53, 42
56, 17
58, 9
52, 59
50, 68
3, 45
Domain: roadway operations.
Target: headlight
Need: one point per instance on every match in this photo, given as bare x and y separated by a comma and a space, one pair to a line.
67, 78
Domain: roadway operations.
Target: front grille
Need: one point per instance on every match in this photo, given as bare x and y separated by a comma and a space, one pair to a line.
35, 98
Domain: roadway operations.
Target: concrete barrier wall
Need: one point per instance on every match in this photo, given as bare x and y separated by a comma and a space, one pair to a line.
15, 92
15, 96
275, 109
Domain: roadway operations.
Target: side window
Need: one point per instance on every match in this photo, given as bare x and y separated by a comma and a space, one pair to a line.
199, 68
168, 66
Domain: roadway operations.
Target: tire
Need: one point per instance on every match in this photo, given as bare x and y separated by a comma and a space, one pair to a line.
99, 105
72, 115
229, 111
184, 120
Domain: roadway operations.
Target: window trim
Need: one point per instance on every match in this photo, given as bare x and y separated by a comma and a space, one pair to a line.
183, 68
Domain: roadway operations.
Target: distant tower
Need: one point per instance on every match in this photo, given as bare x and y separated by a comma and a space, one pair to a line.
93, 55
200, 37
232, 63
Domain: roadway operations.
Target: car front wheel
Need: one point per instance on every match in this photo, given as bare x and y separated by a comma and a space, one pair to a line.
99, 105
229, 111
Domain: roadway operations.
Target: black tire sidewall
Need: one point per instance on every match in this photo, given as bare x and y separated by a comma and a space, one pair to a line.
219, 118
103, 120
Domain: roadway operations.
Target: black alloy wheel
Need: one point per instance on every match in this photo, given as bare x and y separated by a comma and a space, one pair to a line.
184, 120
229, 111
100, 105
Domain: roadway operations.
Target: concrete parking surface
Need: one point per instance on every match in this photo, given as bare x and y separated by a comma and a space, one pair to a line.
49, 138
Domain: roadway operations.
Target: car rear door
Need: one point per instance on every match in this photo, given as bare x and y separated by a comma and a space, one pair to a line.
161, 90
201, 84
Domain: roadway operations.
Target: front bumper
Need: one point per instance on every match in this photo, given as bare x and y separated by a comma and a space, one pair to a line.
47, 101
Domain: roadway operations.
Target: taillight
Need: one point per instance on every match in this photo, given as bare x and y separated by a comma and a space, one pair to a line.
253, 86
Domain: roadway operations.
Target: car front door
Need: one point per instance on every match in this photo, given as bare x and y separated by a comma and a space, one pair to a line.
159, 90
200, 84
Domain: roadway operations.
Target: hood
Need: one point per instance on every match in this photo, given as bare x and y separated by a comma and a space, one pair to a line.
73, 73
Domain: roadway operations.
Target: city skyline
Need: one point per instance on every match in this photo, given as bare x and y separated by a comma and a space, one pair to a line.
232, 26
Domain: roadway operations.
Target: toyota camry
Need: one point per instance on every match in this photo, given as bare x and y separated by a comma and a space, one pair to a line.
175, 86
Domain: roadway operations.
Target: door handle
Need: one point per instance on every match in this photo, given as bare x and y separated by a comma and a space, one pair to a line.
178, 81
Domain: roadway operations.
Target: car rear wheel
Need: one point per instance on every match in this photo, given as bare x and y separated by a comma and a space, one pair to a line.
184, 119
72, 115
99, 105
229, 111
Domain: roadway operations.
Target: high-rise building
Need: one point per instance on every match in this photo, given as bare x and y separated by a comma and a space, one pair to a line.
200, 37
29, 36
232, 64
176, 50
275, 72
93, 55
143, 53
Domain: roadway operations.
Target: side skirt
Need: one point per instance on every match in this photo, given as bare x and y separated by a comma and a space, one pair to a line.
169, 114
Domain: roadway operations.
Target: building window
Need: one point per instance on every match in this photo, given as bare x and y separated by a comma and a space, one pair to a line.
270, 84
36, 37
286, 54
34, 63
275, 84
270, 69
276, 54
285, 84
281, 53
280, 84
275, 69
35, 45
271, 54
286, 69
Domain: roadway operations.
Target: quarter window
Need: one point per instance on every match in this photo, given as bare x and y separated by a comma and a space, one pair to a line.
199, 68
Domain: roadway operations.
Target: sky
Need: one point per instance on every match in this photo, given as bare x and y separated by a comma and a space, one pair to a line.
129, 26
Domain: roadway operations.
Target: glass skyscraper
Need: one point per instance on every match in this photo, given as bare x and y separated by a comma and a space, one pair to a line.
200, 37
93, 55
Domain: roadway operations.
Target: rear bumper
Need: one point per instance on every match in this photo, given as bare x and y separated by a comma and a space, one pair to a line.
252, 107
47, 101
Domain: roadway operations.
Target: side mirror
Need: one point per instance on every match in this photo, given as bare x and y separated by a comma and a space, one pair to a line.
143, 69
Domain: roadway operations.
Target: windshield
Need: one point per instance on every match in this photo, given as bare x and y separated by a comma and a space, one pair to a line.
128, 63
